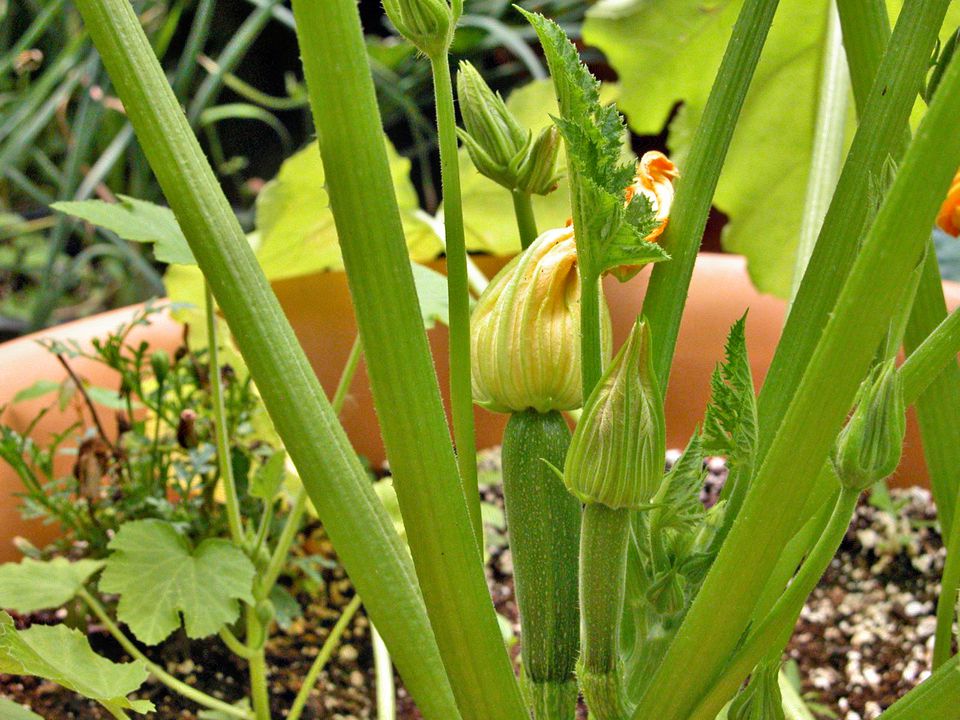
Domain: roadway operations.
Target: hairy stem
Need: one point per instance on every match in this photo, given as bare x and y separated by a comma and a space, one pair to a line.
526, 221
461, 391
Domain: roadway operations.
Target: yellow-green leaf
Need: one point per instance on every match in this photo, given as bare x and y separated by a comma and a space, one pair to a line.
31, 585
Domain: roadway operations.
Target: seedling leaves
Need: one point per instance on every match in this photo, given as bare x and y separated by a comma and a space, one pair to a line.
31, 585
159, 577
137, 221
64, 656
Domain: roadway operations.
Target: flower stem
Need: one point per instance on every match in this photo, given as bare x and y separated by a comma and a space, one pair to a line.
221, 431
774, 630
526, 221
329, 645
928, 359
158, 672
257, 664
603, 569
461, 392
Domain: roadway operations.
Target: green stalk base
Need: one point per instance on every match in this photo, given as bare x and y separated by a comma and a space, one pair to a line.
604, 693
554, 700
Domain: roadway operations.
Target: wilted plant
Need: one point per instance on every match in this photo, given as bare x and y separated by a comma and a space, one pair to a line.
678, 606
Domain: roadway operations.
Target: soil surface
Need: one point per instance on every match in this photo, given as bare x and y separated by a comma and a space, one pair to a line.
864, 638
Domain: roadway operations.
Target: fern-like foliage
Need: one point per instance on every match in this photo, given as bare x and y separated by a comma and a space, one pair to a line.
730, 424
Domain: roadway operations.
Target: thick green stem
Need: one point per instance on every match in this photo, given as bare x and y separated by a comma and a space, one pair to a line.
774, 631
336, 482
257, 664
526, 221
461, 391
841, 356
664, 301
947, 601
158, 672
323, 657
221, 431
828, 139
279, 556
931, 357
440, 532
603, 570
591, 347
938, 406
544, 524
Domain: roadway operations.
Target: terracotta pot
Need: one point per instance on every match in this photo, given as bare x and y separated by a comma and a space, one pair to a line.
319, 309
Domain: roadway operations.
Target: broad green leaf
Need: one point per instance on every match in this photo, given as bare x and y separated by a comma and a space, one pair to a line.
38, 389
64, 656
266, 480
159, 576
295, 222
31, 585
668, 51
9, 710
137, 221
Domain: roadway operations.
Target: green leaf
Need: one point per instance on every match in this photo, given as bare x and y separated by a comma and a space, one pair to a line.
137, 221
38, 389
266, 481
668, 51
108, 398
296, 226
159, 576
730, 424
9, 710
432, 293
31, 585
64, 656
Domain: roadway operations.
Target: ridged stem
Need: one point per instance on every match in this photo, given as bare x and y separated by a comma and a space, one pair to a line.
603, 570
543, 520
775, 628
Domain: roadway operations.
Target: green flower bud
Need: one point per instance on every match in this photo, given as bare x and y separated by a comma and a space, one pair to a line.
428, 24
526, 331
761, 699
160, 362
869, 446
500, 148
617, 453
539, 172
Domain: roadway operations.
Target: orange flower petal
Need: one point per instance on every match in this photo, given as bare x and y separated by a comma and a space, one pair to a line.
949, 216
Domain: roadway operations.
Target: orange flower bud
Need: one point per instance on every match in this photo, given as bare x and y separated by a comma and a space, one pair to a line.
949, 216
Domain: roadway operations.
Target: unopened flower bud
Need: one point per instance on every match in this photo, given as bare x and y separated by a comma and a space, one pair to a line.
761, 699
539, 173
868, 448
425, 23
617, 453
500, 148
654, 180
160, 362
948, 219
187, 430
526, 331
